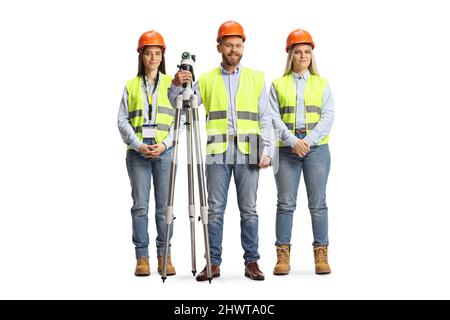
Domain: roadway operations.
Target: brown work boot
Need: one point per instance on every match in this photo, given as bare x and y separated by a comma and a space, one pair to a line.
170, 267
252, 271
283, 256
215, 272
142, 267
321, 260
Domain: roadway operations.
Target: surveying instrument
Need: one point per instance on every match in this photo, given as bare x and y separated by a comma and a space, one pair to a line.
187, 101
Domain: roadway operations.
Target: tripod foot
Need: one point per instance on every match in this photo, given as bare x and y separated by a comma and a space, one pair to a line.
194, 272
209, 279
163, 279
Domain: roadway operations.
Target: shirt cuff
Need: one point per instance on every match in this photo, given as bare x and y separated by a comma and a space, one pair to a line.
292, 140
175, 90
268, 151
168, 143
135, 145
309, 141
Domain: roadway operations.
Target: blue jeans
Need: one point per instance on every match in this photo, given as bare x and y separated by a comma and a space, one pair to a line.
140, 171
219, 169
315, 166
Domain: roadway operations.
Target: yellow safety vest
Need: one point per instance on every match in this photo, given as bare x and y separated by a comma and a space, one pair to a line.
215, 100
287, 100
164, 111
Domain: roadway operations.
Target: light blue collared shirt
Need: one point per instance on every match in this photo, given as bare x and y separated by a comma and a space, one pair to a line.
129, 137
231, 81
322, 128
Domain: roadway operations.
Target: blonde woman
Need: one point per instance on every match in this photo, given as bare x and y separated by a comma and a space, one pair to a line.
303, 109
145, 122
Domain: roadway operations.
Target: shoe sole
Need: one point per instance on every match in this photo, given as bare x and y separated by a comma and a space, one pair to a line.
215, 275
257, 279
323, 272
281, 273
168, 274
142, 274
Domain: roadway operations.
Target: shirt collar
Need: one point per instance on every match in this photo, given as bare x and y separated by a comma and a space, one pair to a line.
226, 72
146, 81
303, 76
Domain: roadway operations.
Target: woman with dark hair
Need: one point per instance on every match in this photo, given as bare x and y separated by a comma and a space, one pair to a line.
145, 123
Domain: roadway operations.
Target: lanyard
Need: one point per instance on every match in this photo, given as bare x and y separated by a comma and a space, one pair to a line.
149, 100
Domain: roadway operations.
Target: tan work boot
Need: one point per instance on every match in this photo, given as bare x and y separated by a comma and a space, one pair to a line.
283, 263
321, 260
142, 267
170, 267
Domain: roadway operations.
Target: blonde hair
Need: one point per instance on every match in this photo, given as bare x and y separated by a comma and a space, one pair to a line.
289, 65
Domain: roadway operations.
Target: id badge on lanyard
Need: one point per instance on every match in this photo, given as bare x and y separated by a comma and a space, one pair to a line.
148, 131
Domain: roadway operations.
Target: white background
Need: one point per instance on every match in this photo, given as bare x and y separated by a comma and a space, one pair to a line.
65, 226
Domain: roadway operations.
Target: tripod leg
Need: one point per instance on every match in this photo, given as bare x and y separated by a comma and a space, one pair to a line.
191, 188
173, 172
201, 184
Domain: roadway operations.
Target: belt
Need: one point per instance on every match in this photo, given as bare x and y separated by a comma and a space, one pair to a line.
302, 130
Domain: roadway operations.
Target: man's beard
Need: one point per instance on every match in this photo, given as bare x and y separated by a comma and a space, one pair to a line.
230, 61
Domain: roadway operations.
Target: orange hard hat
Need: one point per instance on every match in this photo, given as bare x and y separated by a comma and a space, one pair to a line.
151, 38
230, 28
298, 36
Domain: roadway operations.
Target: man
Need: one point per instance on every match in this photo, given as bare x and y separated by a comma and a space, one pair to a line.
238, 114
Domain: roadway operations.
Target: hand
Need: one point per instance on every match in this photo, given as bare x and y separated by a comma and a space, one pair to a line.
264, 162
182, 77
156, 150
144, 149
301, 148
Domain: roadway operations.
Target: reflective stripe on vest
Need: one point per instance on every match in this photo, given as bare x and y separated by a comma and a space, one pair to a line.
215, 100
287, 100
164, 111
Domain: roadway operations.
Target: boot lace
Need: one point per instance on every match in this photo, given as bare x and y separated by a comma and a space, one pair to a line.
283, 255
321, 254
143, 259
